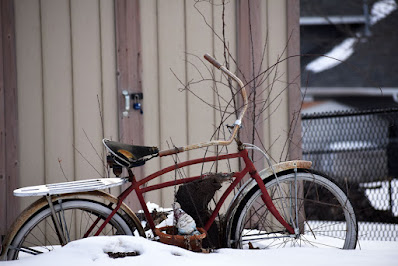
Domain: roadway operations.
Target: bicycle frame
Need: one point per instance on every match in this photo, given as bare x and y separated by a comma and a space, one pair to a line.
243, 154
128, 160
249, 168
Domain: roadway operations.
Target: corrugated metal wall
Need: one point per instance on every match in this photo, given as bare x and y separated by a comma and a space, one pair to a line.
173, 33
67, 79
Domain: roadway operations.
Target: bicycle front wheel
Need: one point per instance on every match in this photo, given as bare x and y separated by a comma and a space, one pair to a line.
76, 217
312, 203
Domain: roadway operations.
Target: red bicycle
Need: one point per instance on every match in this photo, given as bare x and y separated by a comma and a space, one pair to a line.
287, 204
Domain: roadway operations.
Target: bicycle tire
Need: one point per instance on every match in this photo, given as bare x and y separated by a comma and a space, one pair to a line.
325, 217
38, 234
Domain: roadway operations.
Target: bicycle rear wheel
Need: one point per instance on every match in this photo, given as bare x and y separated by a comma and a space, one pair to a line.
321, 214
76, 216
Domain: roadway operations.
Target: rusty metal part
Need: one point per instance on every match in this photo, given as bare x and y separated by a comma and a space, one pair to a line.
299, 164
251, 183
42, 202
220, 177
167, 235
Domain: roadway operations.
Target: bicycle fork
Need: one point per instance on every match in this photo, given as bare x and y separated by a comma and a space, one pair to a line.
264, 193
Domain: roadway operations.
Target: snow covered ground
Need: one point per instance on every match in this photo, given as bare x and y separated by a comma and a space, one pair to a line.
93, 251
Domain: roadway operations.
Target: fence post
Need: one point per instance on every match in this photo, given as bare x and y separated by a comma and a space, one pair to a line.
8, 117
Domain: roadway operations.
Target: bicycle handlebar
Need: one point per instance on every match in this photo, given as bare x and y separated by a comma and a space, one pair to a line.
237, 123
212, 60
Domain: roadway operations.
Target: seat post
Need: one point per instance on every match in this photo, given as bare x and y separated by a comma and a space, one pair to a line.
131, 176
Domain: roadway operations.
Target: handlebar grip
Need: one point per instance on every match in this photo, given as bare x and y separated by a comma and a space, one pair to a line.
212, 60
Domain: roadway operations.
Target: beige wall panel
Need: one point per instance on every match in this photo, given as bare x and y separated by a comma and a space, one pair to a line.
224, 95
173, 109
108, 69
230, 42
69, 63
277, 40
199, 39
266, 126
52, 116
30, 95
86, 59
229, 29
57, 85
150, 86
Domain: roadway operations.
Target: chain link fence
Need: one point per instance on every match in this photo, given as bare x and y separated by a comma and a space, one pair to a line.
359, 149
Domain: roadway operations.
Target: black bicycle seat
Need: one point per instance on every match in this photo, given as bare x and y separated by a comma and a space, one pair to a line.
129, 155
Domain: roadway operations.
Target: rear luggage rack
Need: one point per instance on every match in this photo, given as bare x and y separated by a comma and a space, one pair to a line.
69, 187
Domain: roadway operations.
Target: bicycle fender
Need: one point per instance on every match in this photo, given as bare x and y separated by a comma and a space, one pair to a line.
251, 183
42, 202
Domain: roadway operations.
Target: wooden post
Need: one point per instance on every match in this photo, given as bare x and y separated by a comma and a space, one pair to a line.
8, 117
250, 54
3, 185
293, 74
129, 70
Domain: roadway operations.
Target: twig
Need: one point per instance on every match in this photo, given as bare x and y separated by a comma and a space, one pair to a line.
87, 161
62, 169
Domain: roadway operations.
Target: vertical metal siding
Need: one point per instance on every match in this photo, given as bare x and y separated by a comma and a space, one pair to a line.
86, 73
30, 94
278, 110
171, 31
66, 64
67, 80
150, 84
